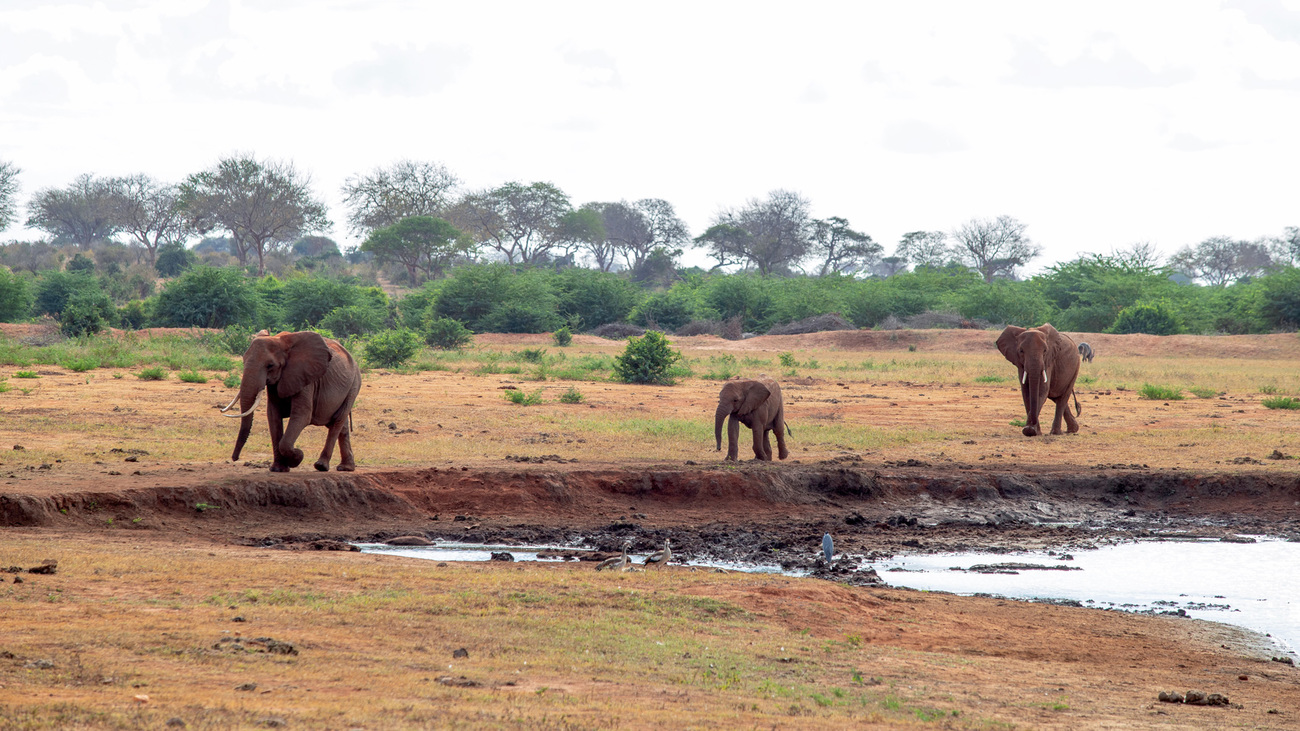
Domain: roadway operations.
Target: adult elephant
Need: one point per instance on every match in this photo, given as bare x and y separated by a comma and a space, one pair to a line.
1048, 363
757, 405
310, 380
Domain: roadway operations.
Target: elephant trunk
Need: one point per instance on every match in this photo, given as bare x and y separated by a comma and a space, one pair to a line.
718, 417
1033, 388
250, 391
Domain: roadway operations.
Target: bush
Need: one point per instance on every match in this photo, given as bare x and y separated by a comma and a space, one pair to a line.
665, 310
15, 296
492, 298
206, 296
572, 396
55, 289
193, 377
646, 359
173, 259
1281, 402
519, 317
133, 315
85, 313
1151, 318
595, 298
392, 348
517, 396
80, 365
562, 337
307, 300
447, 334
155, 373
353, 320
1160, 393
1203, 392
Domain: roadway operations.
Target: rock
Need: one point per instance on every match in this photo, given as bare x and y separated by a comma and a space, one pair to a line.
462, 652
39, 664
238, 619
48, 566
246, 686
460, 682
1196, 698
18, 579
409, 541
1216, 699
273, 722
503, 556
1169, 696
175, 722
142, 698
1285, 660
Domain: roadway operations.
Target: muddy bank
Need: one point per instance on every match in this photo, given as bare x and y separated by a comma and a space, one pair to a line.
752, 513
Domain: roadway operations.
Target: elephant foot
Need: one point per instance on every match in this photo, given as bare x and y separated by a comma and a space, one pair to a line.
345, 468
277, 467
321, 466
784, 453
1030, 431
294, 458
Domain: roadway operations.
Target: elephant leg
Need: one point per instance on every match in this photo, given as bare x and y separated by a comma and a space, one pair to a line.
733, 438
347, 462
1071, 424
275, 420
1062, 405
778, 426
286, 454
760, 441
323, 462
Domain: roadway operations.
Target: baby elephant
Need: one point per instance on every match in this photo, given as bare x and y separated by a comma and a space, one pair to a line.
757, 405
1085, 352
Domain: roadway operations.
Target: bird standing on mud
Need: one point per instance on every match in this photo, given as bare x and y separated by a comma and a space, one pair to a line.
618, 562
828, 547
660, 557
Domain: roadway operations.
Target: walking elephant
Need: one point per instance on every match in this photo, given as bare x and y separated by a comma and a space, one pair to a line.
1048, 363
307, 378
757, 405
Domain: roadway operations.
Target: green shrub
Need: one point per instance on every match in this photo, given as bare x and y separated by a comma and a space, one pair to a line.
646, 359
1203, 392
15, 296
1017, 422
445, 333
26, 374
1281, 402
1151, 318
232, 379
80, 365
787, 360
1160, 393
154, 373
531, 355
990, 379
594, 298
492, 298
173, 259
1268, 389
571, 396
55, 289
307, 300
206, 296
85, 313
133, 315
517, 396
664, 311
353, 320
391, 348
193, 377
562, 337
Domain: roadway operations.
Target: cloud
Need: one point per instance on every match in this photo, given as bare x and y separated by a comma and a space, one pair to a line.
1271, 15
813, 94
45, 88
404, 72
1119, 68
873, 73
597, 67
1187, 142
1252, 80
915, 137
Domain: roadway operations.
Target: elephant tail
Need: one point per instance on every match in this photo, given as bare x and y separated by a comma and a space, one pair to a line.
787, 429
1077, 409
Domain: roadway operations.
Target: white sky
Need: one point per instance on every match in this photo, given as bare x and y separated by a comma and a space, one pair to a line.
1097, 124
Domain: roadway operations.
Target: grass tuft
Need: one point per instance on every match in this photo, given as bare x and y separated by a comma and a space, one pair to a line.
516, 396
1203, 392
1160, 393
193, 377
153, 373
1281, 402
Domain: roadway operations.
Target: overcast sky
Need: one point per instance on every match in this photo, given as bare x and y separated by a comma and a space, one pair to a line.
1097, 124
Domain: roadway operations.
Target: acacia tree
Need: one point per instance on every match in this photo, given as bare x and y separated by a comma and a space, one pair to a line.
522, 222
841, 249
420, 243
925, 249
994, 247
261, 205
82, 213
1286, 248
406, 188
770, 235
1220, 260
8, 193
150, 212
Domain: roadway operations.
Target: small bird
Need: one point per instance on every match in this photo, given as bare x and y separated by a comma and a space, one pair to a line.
828, 547
660, 557
618, 562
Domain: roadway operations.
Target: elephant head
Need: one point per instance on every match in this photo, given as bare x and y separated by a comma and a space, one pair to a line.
1034, 353
288, 362
738, 398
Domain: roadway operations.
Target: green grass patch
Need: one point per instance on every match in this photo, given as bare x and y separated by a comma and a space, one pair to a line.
517, 396
1160, 393
990, 378
1281, 402
81, 364
193, 377
153, 373
26, 374
1203, 392
1017, 422
1268, 390
571, 396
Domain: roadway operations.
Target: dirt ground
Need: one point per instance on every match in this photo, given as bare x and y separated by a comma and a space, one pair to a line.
897, 447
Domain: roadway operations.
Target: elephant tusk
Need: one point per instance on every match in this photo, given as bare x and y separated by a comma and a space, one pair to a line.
1024, 378
1045, 377
251, 409
232, 403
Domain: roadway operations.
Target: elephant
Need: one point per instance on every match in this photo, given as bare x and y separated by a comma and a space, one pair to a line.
1085, 352
309, 379
757, 405
1048, 363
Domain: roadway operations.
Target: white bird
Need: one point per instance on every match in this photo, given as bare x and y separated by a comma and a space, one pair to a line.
660, 557
618, 562
828, 547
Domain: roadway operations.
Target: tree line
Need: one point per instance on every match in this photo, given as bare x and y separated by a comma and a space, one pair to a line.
510, 258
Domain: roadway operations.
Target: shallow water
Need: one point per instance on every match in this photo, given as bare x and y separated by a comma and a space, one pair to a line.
1251, 585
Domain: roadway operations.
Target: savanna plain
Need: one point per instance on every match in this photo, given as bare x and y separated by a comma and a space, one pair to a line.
187, 593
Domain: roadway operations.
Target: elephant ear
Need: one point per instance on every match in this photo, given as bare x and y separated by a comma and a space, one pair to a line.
1007, 343
305, 362
755, 394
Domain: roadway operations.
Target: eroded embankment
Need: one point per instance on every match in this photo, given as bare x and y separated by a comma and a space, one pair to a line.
348, 503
